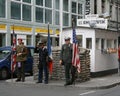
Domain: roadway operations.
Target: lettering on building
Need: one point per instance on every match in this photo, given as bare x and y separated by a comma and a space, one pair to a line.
87, 7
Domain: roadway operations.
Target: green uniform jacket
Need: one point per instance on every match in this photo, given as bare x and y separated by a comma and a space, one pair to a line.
21, 49
66, 53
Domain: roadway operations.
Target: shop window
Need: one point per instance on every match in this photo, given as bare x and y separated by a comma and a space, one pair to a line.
79, 39
89, 43
97, 43
2, 40
12, 38
109, 43
28, 40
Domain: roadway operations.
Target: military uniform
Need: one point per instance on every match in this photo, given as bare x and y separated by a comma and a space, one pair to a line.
66, 57
43, 65
21, 59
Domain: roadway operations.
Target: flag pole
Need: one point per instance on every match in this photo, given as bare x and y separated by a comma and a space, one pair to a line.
13, 54
50, 63
12, 57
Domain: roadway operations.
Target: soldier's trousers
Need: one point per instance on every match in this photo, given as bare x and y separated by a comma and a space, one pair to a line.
69, 73
43, 67
21, 71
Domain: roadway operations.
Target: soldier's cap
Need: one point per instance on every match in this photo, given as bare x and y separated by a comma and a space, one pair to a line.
67, 38
40, 42
20, 39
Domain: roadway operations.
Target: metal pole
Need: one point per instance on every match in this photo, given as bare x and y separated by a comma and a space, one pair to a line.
117, 31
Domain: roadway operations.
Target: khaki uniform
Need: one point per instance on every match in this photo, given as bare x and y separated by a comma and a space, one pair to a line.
21, 61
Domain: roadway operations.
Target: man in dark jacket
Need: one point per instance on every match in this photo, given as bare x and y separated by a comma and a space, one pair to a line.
66, 60
43, 64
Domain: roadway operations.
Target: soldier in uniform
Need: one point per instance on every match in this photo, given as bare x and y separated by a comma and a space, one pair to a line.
21, 51
43, 63
66, 60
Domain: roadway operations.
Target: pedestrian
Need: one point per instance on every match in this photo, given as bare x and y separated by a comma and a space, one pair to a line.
119, 56
21, 52
43, 63
66, 60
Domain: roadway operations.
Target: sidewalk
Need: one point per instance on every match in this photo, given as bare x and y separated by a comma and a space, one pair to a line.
93, 83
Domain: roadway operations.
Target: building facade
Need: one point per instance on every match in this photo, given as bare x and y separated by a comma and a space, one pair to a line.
30, 18
111, 7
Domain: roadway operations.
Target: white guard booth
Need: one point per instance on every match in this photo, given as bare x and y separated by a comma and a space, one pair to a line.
102, 44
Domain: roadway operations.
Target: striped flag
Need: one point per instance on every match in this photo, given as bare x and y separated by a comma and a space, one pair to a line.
13, 56
75, 57
50, 65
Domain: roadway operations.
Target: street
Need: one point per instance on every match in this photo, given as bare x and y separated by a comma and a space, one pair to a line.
17, 89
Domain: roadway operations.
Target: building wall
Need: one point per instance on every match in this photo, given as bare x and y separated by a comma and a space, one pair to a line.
36, 15
112, 7
103, 60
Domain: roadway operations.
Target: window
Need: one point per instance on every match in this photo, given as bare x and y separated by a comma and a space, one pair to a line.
109, 43
75, 19
2, 8
39, 2
39, 15
57, 18
80, 8
26, 12
97, 43
65, 5
73, 7
48, 16
57, 4
89, 43
115, 43
28, 1
28, 39
2, 40
65, 19
15, 11
48, 3
102, 43
79, 39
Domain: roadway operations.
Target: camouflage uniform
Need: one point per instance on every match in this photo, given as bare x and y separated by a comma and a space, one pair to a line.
21, 59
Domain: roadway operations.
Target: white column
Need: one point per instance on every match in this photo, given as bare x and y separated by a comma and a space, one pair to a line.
61, 22
8, 31
8, 35
99, 6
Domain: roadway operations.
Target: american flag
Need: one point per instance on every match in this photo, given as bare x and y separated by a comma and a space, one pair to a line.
50, 65
13, 56
75, 57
